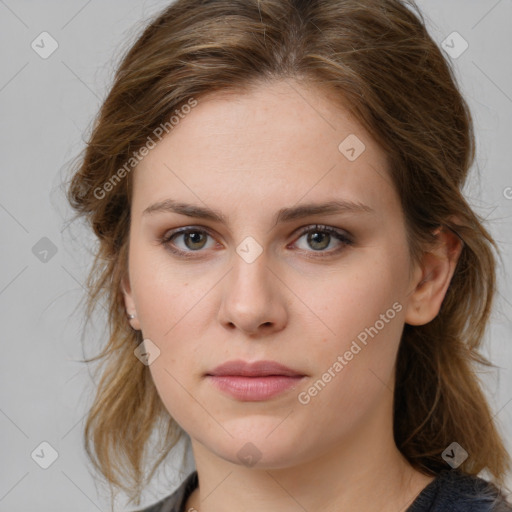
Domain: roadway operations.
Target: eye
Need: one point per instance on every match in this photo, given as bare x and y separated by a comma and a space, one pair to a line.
194, 239
319, 238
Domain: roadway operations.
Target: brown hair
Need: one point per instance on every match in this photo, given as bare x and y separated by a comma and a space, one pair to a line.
375, 56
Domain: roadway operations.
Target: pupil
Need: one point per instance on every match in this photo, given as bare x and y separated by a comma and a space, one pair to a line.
194, 237
317, 237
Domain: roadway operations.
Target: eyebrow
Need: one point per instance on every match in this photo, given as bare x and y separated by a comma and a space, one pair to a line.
283, 215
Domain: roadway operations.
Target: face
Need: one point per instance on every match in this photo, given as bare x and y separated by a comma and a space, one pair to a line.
266, 278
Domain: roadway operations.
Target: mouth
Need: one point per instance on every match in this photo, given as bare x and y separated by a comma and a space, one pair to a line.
241, 368
252, 382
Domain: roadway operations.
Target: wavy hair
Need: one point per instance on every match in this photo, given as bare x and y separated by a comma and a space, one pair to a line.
375, 56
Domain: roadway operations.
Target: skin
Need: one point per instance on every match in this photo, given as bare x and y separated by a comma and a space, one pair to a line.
249, 154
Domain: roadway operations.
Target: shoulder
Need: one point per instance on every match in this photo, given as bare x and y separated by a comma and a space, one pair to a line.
454, 491
175, 502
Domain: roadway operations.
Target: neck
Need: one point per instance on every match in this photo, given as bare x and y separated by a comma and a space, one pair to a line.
364, 472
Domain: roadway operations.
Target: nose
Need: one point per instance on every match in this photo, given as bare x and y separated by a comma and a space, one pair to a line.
253, 298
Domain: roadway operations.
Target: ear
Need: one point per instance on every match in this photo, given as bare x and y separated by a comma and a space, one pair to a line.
432, 278
129, 303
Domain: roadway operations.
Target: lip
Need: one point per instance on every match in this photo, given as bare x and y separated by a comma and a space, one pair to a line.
253, 389
253, 382
241, 368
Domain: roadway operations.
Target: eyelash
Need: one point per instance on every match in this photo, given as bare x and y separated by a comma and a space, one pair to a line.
317, 228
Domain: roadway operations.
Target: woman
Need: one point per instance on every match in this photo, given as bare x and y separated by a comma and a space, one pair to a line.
294, 278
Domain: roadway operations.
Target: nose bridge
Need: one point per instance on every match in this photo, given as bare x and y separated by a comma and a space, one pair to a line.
250, 278
252, 296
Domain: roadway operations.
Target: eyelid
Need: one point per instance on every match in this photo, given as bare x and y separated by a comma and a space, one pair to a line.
326, 228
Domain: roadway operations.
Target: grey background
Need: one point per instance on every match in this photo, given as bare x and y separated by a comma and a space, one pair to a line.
47, 107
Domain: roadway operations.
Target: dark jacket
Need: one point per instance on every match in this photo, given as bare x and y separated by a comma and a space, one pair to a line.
450, 491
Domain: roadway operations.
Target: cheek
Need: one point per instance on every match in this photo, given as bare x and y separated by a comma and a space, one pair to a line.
172, 306
355, 297
364, 309
163, 295
355, 367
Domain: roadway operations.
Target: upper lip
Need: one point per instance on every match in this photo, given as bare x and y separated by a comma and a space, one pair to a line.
256, 369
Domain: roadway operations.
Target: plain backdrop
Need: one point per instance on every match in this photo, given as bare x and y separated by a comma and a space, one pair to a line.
47, 106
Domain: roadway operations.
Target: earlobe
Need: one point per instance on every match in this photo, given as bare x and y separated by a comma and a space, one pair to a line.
432, 278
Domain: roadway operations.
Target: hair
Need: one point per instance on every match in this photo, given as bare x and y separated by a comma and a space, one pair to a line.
375, 56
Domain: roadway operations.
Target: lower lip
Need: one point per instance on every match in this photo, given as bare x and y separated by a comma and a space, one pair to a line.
252, 389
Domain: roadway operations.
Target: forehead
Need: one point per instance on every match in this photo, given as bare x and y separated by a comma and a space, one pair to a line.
275, 142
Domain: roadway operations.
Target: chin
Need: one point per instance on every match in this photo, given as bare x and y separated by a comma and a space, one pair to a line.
257, 452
